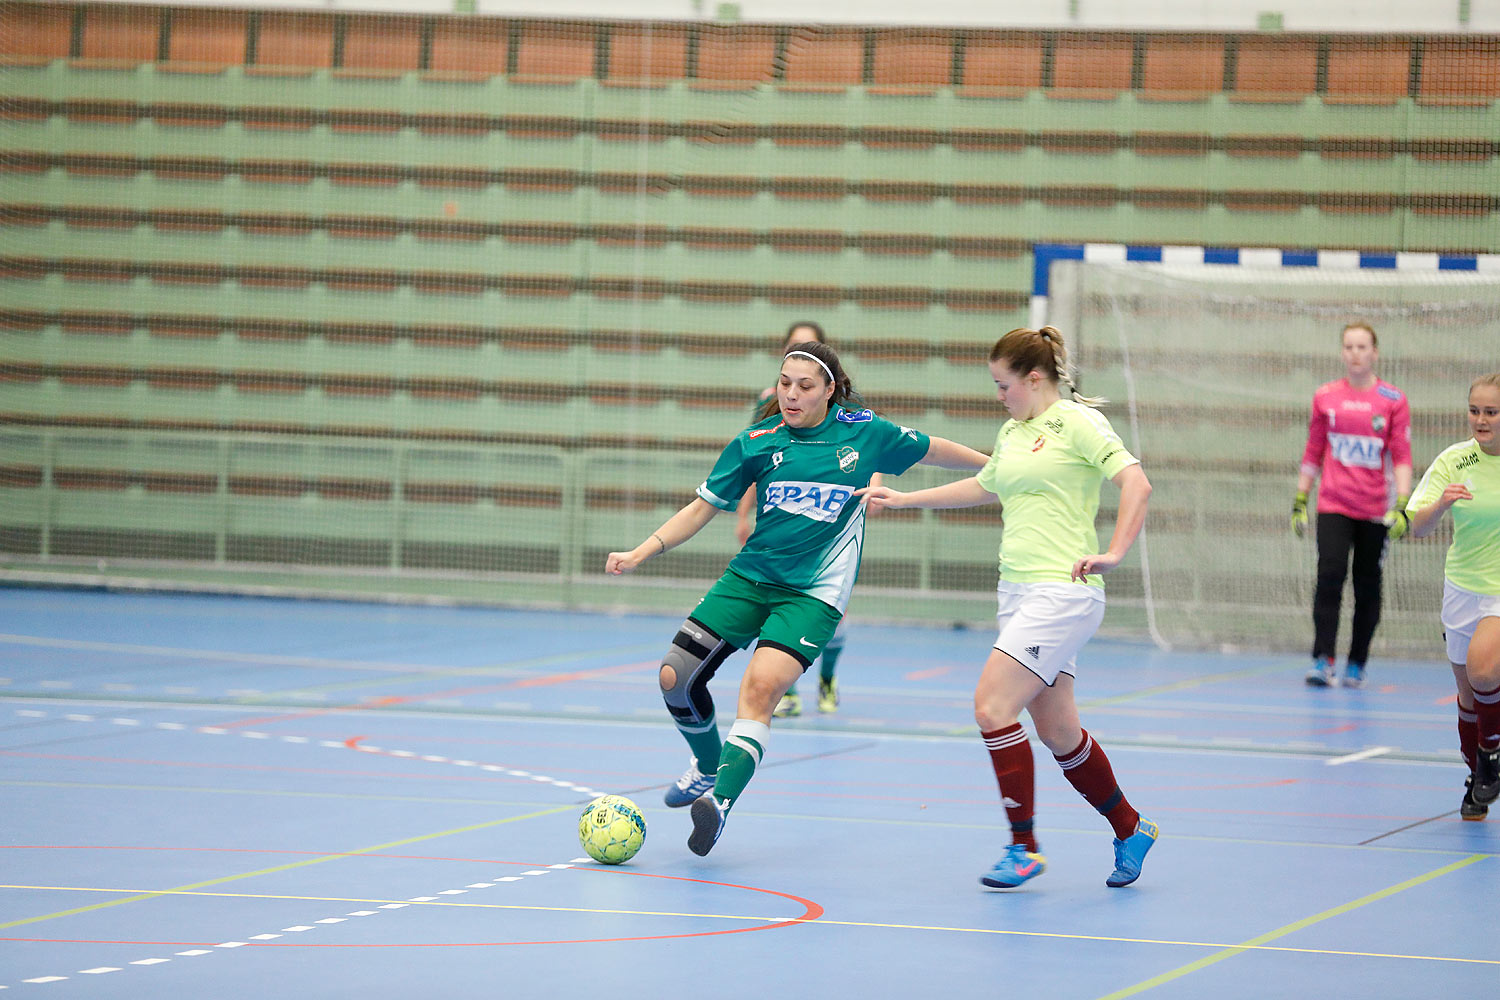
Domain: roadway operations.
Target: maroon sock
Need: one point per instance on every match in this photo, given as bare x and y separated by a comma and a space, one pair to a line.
1487, 711
1087, 769
1015, 772
1468, 735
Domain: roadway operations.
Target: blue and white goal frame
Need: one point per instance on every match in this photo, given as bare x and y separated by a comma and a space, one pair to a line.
1045, 253
1268, 259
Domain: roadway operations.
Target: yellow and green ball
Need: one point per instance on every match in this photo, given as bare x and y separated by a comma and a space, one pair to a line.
611, 829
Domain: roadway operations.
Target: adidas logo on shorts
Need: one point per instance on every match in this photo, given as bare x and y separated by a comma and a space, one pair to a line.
1035, 651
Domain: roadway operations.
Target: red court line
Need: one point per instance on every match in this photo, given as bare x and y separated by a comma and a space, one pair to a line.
388, 700
811, 911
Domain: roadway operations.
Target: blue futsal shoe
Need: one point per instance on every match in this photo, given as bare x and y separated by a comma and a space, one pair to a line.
687, 789
1322, 674
1130, 853
709, 815
1015, 867
1354, 675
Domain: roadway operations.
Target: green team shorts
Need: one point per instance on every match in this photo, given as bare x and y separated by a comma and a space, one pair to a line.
740, 611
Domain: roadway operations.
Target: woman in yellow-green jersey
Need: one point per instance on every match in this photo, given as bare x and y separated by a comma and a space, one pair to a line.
1049, 461
1465, 478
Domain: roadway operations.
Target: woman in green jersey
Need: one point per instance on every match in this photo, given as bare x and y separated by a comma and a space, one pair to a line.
1465, 478
788, 586
800, 332
1046, 470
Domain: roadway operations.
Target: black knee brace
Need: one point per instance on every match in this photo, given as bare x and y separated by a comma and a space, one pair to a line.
695, 655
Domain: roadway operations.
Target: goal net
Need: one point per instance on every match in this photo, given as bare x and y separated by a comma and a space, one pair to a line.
1210, 360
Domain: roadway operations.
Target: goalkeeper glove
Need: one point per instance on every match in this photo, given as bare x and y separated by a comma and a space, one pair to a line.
1299, 514
1397, 523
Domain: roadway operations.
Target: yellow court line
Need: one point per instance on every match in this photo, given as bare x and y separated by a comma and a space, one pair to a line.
805, 817
1182, 685
451, 904
290, 866
1254, 943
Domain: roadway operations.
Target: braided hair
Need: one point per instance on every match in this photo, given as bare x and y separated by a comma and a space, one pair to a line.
1041, 350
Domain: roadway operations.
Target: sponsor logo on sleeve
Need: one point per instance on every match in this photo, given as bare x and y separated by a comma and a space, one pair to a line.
854, 416
1389, 391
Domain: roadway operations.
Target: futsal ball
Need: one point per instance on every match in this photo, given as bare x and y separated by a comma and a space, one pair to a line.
611, 829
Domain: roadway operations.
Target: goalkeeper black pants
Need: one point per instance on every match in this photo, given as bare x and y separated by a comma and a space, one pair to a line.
1339, 538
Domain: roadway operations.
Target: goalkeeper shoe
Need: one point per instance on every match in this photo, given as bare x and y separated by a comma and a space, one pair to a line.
709, 816
1354, 675
828, 695
789, 706
1468, 809
686, 789
1015, 867
1130, 853
1322, 674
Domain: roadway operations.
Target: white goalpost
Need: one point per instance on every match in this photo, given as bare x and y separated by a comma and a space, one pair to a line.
1210, 357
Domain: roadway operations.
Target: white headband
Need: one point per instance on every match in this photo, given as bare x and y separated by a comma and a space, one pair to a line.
804, 354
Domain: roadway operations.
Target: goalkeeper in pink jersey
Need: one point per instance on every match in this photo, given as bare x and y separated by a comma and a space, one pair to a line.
1358, 440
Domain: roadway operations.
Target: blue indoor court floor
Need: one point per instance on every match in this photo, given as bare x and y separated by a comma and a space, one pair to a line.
219, 797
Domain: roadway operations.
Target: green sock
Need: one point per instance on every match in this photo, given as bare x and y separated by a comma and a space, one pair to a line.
742, 753
703, 740
830, 660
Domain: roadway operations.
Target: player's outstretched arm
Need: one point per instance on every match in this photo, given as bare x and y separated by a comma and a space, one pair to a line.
1135, 494
963, 493
947, 454
1425, 519
678, 528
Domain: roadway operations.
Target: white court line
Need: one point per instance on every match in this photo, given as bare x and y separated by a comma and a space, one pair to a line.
1361, 755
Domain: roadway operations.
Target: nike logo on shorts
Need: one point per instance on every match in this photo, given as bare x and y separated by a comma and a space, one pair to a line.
810, 645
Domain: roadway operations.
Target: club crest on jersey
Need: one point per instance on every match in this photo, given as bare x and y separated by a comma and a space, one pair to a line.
855, 416
819, 501
848, 458
1378, 423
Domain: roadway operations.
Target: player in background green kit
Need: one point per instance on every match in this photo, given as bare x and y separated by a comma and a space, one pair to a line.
1465, 478
1049, 461
790, 705
787, 588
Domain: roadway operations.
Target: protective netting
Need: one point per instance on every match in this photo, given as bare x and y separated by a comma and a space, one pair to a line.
1211, 370
449, 307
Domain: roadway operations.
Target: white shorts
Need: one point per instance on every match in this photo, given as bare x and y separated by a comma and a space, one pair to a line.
1462, 610
1044, 625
